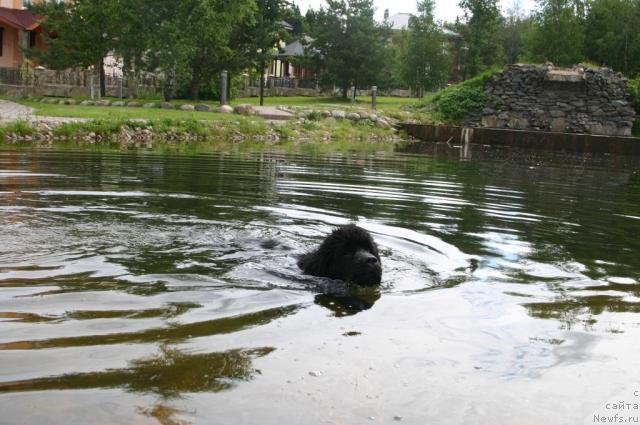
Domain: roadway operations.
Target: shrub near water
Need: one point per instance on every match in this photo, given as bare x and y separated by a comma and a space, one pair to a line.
460, 101
634, 89
20, 128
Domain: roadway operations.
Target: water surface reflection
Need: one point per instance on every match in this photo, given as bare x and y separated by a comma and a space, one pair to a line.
163, 287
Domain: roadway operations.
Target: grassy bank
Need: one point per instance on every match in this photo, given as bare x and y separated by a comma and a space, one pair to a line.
388, 105
145, 132
120, 113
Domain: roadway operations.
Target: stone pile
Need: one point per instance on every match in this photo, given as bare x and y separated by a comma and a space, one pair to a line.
578, 100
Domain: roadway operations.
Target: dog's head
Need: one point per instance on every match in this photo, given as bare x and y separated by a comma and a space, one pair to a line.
349, 253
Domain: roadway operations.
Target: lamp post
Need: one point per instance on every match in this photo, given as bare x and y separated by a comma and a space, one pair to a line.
223, 87
374, 98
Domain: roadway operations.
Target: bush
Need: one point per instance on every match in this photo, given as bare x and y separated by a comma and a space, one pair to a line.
458, 102
634, 89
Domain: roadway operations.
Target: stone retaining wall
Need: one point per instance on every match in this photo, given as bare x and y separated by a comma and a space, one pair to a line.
579, 100
72, 83
460, 137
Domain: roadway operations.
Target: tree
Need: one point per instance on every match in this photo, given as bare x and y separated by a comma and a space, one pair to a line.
557, 34
351, 44
516, 25
426, 63
77, 34
261, 37
192, 38
482, 35
611, 34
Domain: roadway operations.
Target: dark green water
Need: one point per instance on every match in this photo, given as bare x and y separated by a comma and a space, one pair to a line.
135, 287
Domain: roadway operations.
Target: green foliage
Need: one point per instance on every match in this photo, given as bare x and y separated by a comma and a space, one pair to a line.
634, 89
458, 102
612, 36
314, 116
482, 34
249, 127
425, 64
351, 44
516, 25
20, 128
557, 34
103, 128
260, 37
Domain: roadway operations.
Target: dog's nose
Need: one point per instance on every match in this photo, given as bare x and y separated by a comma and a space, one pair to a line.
372, 260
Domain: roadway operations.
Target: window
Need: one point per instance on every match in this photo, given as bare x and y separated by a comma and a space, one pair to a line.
32, 39
1, 39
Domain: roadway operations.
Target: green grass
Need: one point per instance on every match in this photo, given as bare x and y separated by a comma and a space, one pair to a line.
121, 113
389, 105
385, 103
20, 128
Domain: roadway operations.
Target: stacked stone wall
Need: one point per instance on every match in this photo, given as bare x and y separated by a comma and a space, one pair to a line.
591, 101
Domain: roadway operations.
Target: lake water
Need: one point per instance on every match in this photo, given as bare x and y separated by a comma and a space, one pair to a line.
136, 287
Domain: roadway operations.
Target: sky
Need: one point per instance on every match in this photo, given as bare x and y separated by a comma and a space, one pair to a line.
446, 10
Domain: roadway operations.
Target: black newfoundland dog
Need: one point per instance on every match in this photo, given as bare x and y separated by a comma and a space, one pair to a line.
349, 254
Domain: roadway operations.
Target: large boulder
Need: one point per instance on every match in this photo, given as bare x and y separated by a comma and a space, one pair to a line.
340, 115
203, 108
150, 105
187, 107
133, 104
226, 109
103, 103
167, 105
244, 109
118, 104
87, 103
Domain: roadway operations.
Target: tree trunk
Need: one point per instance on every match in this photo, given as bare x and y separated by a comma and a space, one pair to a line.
169, 85
196, 82
195, 90
103, 78
345, 92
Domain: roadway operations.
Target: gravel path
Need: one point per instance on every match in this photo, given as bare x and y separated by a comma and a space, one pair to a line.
11, 111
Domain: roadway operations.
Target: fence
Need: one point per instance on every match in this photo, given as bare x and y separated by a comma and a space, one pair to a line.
74, 82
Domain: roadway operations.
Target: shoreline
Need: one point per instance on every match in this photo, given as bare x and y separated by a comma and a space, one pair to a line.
148, 132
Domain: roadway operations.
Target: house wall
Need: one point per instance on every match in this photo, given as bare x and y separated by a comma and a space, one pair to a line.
10, 52
11, 4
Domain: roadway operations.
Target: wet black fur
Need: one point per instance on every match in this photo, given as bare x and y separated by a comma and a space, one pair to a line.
336, 257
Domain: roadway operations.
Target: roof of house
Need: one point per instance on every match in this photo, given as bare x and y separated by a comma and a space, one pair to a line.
21, 19
286, 25
297, 48
293, 49
399, 21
